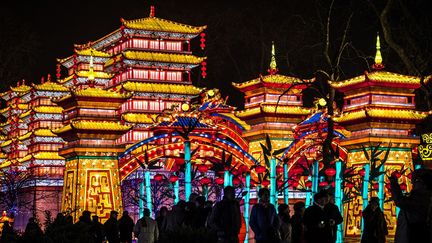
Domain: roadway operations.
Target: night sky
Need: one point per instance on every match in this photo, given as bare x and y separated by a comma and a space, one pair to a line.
239, 35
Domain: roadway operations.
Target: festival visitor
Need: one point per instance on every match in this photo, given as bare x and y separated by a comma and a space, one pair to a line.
375, 225
146, 229
318, 226
285, 228
225, 218
414, 221
126, 226
297, 223
111, 228
333, 216
263, 219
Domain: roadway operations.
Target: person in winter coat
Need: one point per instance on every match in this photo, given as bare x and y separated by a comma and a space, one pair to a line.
318, 226
285, 228
297, 223
333, 216
225, 218
126, 225
414, 220
263, 219
375, 226
111, 228
146, 229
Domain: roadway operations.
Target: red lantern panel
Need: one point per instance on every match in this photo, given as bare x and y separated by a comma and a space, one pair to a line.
158, 177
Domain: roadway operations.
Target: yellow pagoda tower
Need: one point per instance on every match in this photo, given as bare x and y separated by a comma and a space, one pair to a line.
267, 112
379, 109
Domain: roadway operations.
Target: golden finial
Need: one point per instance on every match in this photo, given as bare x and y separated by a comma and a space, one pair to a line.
273, 66
378, 58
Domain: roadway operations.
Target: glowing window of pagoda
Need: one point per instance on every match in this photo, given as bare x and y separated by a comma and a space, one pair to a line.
173, 46
391, 100
41, 101
256, 99
86, 66
154, 44
97, 112
140, 43
359, 101
284, 99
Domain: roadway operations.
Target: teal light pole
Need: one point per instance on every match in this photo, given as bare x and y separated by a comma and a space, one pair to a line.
338, 199
188, 170
176, 192
246, 206
308, 196
381, 188
148, 190
273, 189
365, 191
227, 178
141, 198
286, 191
315, 170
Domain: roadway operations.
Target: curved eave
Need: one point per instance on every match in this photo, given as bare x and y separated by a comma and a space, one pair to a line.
381, 78
93, 126
289, 110
395, 114
162, 25
51, 86
242, 124
139, 118
161, 88
6, 143
157, 57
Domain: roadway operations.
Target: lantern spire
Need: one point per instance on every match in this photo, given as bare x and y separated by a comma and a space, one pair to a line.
152, 11
273, 66
378, 58
91, 75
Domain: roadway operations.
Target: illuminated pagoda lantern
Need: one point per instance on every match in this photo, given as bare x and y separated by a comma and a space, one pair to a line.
14, 126
42, 159
91, 125
150, 57
263, 112
379, 109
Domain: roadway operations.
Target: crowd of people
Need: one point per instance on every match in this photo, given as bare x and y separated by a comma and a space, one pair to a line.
222, 222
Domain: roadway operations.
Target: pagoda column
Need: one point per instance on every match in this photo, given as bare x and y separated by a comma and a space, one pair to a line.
91, 177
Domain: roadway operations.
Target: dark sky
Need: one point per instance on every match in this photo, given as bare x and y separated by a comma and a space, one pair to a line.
239, 35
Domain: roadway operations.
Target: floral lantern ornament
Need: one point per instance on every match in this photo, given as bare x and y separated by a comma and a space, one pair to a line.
219, 181
202, 168
158, 177
205, 181
260, 169
173, 178
204, 69
330, 171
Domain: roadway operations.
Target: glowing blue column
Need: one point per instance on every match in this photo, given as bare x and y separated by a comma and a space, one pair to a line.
308, 196
338, 199
188, 170
227, 179
273, 189
246, 206
205, 191
176, 192
315, 170
365, 192
148, 190
141, 198
381, 188
417, 167
286, 191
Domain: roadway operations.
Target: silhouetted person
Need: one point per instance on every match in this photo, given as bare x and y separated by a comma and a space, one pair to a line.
225, 218
97, 229
126, 226
8, 234
263, 219
285, 228
334, 217
414, 220
318, 226
201, 212
297, 223
111, 228
146, 229
375, 226
33, 232
160, 219
175, 217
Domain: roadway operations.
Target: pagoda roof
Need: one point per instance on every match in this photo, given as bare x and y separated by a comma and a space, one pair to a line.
5, 163
381, 113
157, 57
235, 119
42, 156
86, 51
43, 109
85, 74
379, 77
3, 155
50, 86
97, 93
139, 118
183, 121
161, 88
271, 108
274, 79
93, 125
3, 137
42, 132
6, 143
162, 25
23, 88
